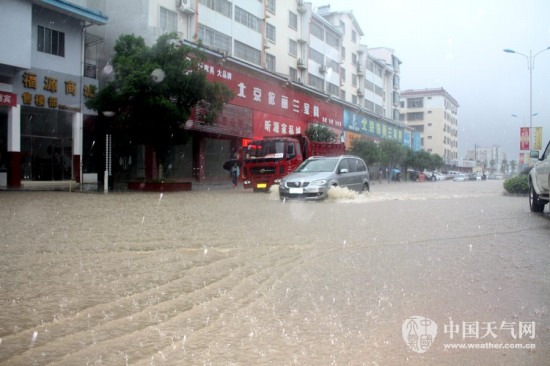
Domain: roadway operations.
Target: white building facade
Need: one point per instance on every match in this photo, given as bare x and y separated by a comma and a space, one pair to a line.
47, 71
433, 114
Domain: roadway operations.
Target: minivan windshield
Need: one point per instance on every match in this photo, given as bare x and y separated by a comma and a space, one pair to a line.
317, 165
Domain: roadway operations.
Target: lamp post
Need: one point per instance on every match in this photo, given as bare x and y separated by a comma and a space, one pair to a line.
530, 67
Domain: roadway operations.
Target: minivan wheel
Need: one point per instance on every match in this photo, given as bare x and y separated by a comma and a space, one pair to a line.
535, 204
366, 187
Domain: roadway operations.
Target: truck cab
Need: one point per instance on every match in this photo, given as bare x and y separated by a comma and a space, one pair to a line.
267, 160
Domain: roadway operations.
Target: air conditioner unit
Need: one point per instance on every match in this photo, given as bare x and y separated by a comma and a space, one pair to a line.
360, 93
185, 6
301, 64
301, 6
322, 69
266, 44
359, 70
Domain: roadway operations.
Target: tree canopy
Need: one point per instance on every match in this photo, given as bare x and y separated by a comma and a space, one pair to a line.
321, 133
155, 89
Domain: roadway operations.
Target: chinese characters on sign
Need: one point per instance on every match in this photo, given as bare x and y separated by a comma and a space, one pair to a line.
286, 111
524, 138
40, 88
8, 99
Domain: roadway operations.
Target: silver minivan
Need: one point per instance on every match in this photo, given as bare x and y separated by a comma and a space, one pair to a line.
315, 176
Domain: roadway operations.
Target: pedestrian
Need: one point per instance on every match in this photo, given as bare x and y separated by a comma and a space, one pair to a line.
235, 172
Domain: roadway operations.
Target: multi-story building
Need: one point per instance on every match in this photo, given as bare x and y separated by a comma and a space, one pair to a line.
47, 70
289, 65
432, 113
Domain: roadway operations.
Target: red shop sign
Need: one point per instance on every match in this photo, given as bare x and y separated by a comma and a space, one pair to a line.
275, 99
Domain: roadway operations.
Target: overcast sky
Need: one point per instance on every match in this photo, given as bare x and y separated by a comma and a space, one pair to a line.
458, 45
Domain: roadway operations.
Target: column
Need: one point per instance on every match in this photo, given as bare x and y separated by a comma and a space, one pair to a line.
14, 147
77, 145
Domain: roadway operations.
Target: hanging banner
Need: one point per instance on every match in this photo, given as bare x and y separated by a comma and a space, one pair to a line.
537, 138
524, 138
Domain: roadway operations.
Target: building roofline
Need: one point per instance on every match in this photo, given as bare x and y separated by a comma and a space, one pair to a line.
76, 11
428, 92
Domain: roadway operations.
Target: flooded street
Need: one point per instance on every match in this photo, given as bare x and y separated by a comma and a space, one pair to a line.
222, 277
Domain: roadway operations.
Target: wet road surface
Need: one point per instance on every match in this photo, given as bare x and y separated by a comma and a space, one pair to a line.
226, 277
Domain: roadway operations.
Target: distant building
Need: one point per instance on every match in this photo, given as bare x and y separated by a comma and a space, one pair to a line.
490, 158
432, 113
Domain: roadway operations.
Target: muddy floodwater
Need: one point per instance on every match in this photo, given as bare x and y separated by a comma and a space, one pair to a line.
223, 277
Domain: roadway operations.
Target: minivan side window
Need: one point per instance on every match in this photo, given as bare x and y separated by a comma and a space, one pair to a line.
343, 165
360, 165
352, 164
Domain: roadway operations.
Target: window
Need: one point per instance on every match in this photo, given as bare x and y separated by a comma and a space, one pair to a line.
316, 82
317, 31
369, 85
293, 74
343, 53
271, 6
292, 20
221, 6
270, 33
415, 116
293, 47
270, 62
342, 75
354, 36
354, 79
51, 41
334, 65
415, 102
396, 81
333, 89
167, 20
248, 53
333, 40
214, 39
247, 19
316, 56
354, 58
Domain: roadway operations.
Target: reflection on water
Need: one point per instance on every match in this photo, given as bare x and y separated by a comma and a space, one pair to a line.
233, 277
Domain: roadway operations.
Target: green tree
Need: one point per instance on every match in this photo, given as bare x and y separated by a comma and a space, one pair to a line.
155, 89
366, 150
436, 161
321, 133
392, 153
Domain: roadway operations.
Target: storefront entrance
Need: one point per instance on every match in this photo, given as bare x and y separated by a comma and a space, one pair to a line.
46, 145
45, 158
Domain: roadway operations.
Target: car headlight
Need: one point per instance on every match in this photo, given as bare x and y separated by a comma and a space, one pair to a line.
320, 182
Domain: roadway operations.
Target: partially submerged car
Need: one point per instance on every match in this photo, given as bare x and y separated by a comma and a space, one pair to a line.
317, 175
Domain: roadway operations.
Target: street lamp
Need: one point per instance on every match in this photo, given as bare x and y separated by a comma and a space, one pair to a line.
530, 67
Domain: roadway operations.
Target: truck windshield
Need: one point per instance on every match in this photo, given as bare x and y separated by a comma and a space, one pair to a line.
317, 165
265, 149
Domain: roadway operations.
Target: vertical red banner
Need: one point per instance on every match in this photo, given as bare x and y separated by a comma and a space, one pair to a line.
524, 138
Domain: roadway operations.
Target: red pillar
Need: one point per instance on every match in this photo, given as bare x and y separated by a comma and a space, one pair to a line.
76, 168
14, 169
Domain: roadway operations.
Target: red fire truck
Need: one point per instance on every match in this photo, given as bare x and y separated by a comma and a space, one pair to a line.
267, 160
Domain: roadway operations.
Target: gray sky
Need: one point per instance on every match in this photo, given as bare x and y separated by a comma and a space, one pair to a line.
458, 45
